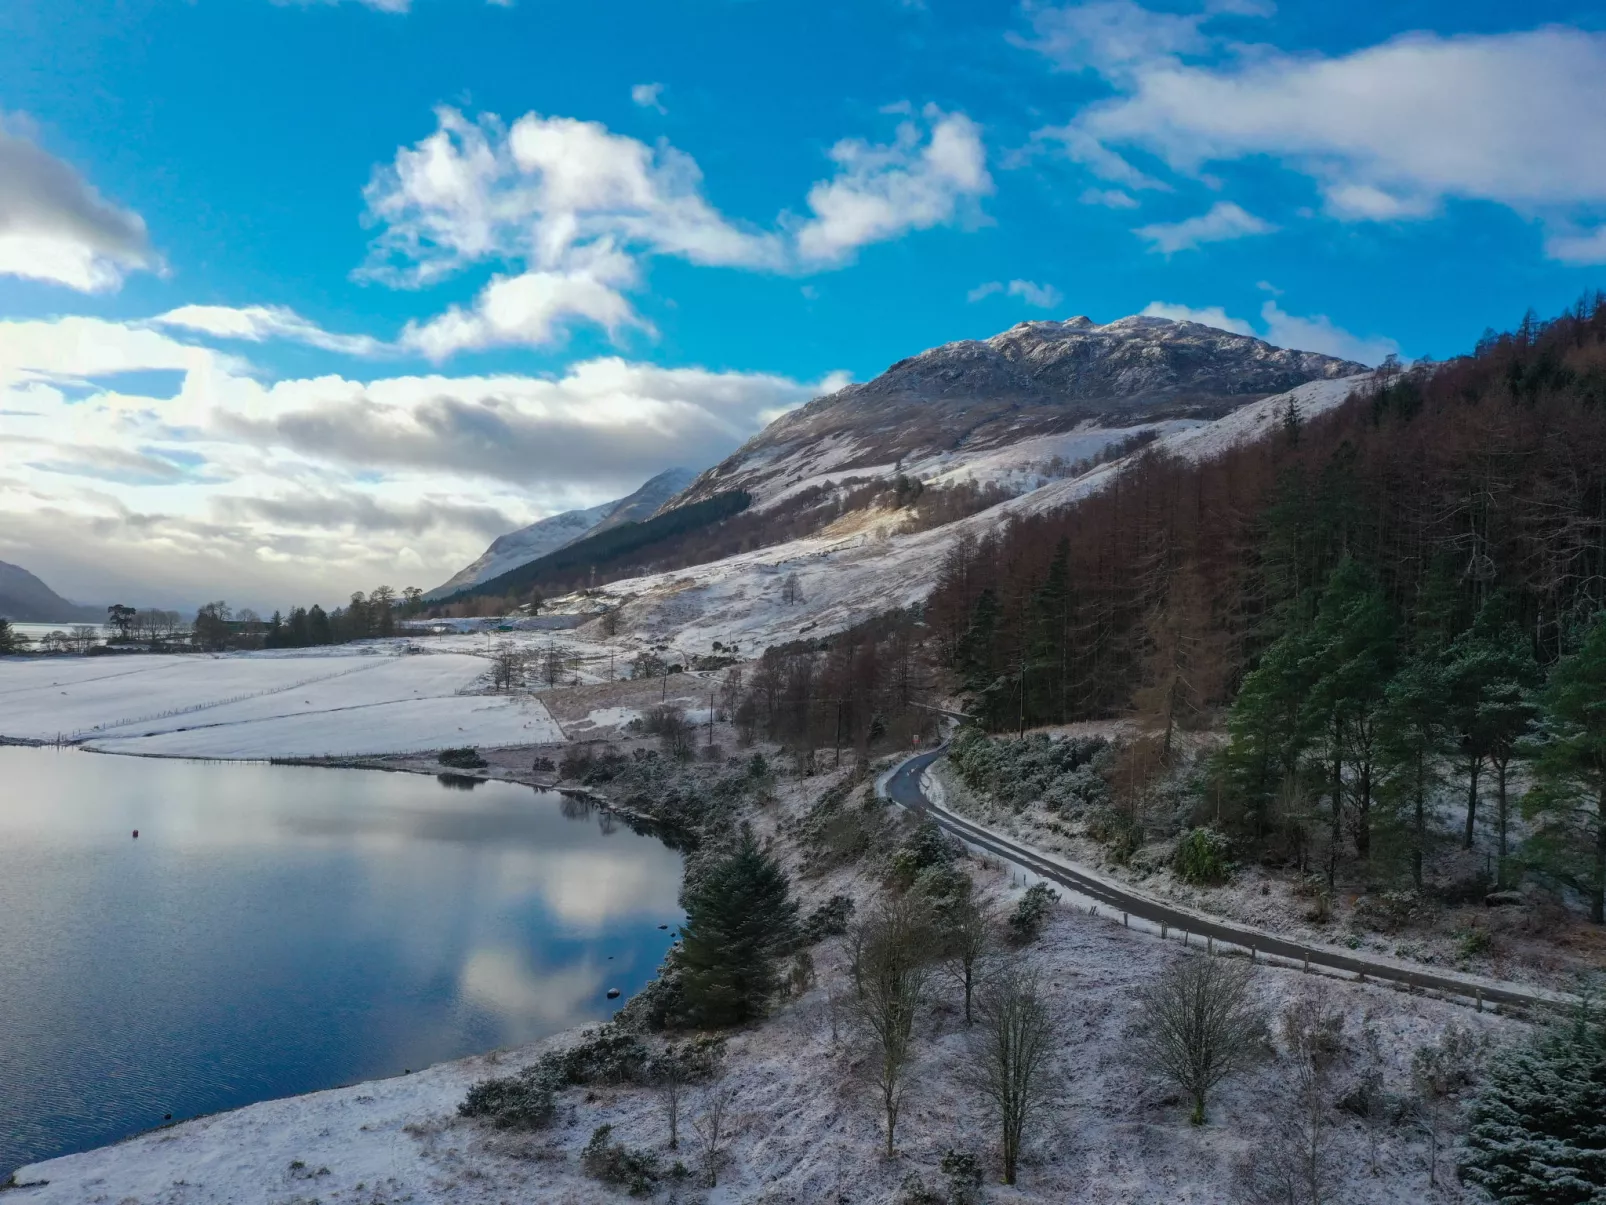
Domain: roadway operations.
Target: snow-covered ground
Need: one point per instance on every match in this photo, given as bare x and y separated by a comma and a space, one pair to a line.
339, 702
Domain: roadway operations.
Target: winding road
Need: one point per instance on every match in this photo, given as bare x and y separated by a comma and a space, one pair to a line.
903, 786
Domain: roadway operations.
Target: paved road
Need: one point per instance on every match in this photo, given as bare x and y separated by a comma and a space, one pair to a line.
903, 787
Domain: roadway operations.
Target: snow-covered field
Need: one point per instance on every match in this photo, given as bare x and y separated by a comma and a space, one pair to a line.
332, 702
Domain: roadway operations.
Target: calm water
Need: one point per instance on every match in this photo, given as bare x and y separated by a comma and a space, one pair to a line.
280, 929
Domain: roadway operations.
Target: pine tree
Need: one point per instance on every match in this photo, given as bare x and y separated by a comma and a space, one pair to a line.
1351, 652
740, 918
1568, 802
1414, 728
1538, 1126
1492, 679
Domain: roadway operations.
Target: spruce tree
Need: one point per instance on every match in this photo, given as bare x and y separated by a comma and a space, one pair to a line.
740, 918
1567, 805
1538, 1126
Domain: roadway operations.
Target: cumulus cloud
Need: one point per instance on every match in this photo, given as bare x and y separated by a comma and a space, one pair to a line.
917, 181
55, 227
572, 207
1224, 221
260, 323
649, 96
1386, 133
1212, 315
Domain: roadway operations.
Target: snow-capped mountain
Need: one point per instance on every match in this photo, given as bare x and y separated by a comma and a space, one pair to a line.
556, 531
1036, 379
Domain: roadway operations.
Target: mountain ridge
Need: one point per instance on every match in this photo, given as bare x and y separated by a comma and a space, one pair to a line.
24, 598
545, 536
1034, 379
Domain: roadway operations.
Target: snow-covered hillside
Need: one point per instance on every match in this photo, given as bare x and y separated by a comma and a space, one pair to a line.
557, 531
863, 565
1036, 379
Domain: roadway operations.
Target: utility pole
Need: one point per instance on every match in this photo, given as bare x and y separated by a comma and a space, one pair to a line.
710, 719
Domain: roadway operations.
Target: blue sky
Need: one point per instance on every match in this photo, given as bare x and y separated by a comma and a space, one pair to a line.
297, 298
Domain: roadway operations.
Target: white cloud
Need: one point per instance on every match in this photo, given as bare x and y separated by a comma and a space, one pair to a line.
918, 181
1317, 333
55, 227
1110, 198
1387, 132
542, 192
1225, 221
1578, 248
311, 487
649, 96
1112, 36
260, 323
1212, 315
382, 6
571, 208
532, 308
1042, 296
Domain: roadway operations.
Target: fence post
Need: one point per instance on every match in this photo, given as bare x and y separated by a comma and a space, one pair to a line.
1307, 962
1124, 924
1254, 956
1210, 945
1162, 930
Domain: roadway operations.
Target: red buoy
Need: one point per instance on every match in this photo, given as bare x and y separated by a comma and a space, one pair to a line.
136, 834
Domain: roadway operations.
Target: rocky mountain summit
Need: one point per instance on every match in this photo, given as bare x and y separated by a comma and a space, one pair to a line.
1037, 378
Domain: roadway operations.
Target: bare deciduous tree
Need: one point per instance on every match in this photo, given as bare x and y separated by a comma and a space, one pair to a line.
1008, 1060
1295, 1167
891, 968
507, 666
966, 944
1198, 1025
711, 1124
674, 1072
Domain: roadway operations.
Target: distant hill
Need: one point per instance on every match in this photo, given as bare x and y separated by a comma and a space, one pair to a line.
26, 599
546, 536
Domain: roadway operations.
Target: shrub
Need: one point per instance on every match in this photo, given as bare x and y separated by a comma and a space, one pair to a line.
466, 758
1061, 773
1474, 943
1117, 829
944, 887
615, 1164
522, 1101
926, 847
606, 1055
830, 919
1389, 911
963, 1171
1031, 914
1202, 857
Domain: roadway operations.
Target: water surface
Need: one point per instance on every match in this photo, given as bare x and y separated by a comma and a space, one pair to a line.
279, 929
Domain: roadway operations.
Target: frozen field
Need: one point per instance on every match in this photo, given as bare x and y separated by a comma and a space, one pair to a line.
345, 703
